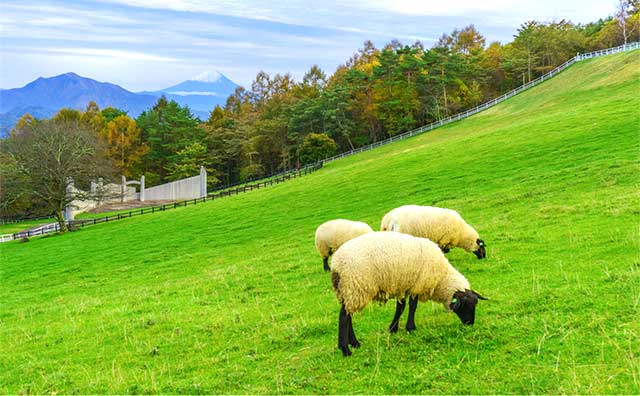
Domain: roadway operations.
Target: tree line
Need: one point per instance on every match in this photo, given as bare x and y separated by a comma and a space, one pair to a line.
278, 123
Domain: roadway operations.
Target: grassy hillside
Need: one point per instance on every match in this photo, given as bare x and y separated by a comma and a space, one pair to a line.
230, 296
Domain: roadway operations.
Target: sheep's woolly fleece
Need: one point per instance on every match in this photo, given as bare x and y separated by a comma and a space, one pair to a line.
383, 265
445, 227
332, 234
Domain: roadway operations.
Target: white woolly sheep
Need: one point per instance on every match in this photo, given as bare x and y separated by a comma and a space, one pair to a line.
383, 265
332, 234
445, 227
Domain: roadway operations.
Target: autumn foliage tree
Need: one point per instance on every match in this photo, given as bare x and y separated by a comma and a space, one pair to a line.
124, 144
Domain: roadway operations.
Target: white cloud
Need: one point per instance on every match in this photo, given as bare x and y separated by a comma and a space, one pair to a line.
326, 13
107, 53
199, 93
25, 12
505, 10
207, 76
441, 8
246, 9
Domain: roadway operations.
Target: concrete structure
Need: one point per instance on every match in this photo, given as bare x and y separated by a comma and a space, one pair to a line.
189, 188
99, 194
124, 192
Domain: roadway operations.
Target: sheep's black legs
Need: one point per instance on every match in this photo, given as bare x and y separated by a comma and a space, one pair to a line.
353, 341
411, 322
344, 324
325, 261
400, 304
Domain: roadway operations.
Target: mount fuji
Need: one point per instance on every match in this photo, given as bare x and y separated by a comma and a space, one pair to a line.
201, 93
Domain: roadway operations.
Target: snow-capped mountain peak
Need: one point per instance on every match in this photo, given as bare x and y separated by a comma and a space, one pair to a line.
208, 76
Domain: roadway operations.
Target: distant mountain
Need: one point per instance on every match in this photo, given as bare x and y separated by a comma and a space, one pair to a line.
10, 118
74, 91
45, 96
201, 93
48, 95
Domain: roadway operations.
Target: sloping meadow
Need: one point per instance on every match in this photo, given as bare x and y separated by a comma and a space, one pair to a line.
230, 296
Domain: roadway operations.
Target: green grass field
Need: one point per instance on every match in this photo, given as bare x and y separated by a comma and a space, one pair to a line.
11, 228
230, 296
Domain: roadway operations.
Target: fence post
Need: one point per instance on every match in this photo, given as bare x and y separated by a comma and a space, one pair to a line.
123, 188
142, 195
203, 182
68, 210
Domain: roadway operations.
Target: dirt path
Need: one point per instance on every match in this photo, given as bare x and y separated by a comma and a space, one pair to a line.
115, 206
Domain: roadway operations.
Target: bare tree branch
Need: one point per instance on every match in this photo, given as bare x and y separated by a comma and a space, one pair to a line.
49, 155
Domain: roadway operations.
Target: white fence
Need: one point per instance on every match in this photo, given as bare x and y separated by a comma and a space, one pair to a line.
40, 230
189, 188
608, 51
491, 103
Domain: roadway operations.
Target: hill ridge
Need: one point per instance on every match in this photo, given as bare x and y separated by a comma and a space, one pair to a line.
490, 103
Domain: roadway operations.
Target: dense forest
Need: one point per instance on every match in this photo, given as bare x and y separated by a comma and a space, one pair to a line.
278, 123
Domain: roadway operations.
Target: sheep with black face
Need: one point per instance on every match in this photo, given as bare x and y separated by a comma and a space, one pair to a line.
443, 226
381, 265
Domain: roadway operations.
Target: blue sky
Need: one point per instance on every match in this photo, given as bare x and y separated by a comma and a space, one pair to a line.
152, 44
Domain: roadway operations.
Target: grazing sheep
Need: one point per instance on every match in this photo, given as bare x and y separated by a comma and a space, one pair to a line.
332, 234
443, 226
383, 265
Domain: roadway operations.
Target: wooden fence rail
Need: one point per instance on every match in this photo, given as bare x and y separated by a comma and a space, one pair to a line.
12, 220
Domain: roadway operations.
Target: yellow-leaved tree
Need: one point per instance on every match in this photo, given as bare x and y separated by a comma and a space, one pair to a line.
124, 144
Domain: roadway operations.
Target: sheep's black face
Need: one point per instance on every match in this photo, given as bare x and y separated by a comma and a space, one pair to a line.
464, 305
481, 252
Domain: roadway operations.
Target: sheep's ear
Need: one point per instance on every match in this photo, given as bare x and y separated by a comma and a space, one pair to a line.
478, 295
480, 242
